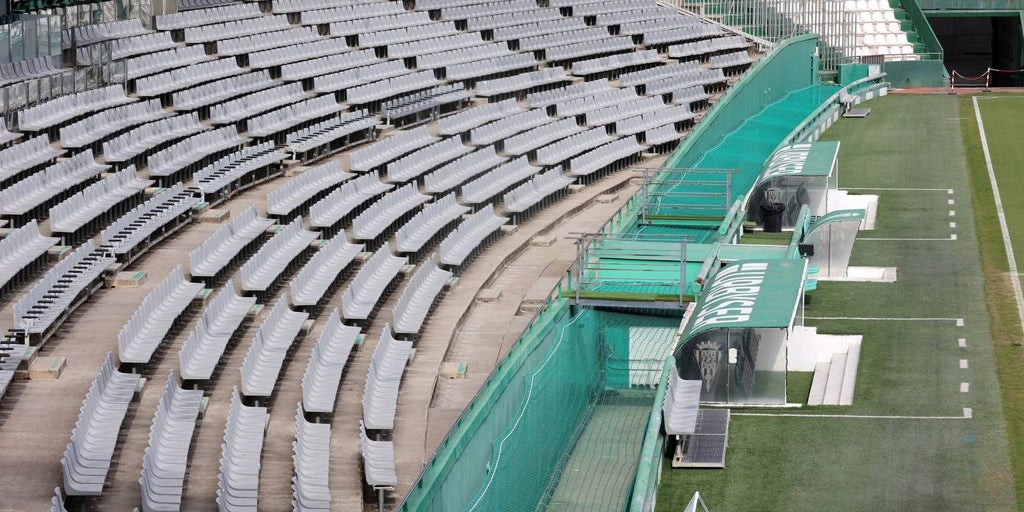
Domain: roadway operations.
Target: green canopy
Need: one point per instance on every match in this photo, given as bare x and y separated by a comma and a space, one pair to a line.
750, 293
835, 216
811, 159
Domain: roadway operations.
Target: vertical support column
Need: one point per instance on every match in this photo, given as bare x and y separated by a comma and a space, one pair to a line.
682, 271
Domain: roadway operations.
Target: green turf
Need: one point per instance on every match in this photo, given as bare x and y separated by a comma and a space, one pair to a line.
906, 368
1001, 117
762, 238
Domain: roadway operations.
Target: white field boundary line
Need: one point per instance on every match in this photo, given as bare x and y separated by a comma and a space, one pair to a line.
1011, 259
850, 416
885, 319
875, 239
901, 189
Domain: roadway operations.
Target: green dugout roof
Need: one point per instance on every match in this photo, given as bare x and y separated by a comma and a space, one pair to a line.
835, 216
752, 293
811, 159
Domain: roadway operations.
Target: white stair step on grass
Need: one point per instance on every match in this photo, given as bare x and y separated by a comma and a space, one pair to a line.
818, 383
834, 386
850, 375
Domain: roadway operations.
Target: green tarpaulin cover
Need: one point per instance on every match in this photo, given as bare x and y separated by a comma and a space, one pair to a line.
811, 159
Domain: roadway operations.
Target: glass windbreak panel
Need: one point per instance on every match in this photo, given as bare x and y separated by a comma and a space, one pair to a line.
737, 366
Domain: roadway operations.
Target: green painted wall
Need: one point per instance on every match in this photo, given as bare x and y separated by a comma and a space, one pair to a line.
921, 73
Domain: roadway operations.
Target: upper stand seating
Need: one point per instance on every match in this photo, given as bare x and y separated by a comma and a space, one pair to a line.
149, 325
295, 196
322, 271
22, 252
262, 270
380, 395
165, 459
239, 480
467, 237
362, 295
145, 225
378, 460
328, 213
202, 350
263, 361
419, 296
529, 194
226, 245
311, 456
326, 363
428, 223
32, 197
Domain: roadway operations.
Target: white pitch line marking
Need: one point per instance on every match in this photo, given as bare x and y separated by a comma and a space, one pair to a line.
959, 322
869, 239
952, 225
953, 236
952, 213
850, 416
965, 387
901, 189
1011, 259
963, 364
961, 342
951, 202
884, 319
968, 413
949, 191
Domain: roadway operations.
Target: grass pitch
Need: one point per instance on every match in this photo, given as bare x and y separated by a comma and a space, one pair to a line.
904, 444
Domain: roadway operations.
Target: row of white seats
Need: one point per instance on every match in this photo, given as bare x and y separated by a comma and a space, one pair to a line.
165, 458
604, 98
263, 361
343, 200
419, 296
151, 63
706, 46
644, 76
600, 6
334, 13
528, 194
730, 60
378, 460
352, 26
462, 12
310, 284
137, 45
524, 142
373, 221
265, 41
289, 6
205, 345
536, 28
698, 77
311, 457
87, 457
123, 236
506, 127
239, 478
882, 28
566, 148
373, 278
225, 244
110, 121
420, 47
459, 170
521, 81
20, 248
681, 34
509, 19
597, 159
885, 39
553, 96
490, 66
328, 131
261, 270
322, 378
183, 78
41, 187
380, 394
450, 58
282, 119
612, 113
385, 150
78, 210
135, 142
299, 52
7, 135
405, 34
904, 52
472, 117
425, 159
465, 239
425, 5
312, 181
171, 160
866, 5
656, 24
349, 76
220, 90
63, 108
540, 42
48, 303
423, 226
634, 14
256, 102
93, 33
661, 135
614, 62
487, 186
423, 101
234, 168
185, 19
235, 28
573, 51
689, 95
659, 117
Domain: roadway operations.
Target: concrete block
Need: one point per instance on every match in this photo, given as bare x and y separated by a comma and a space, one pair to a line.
203, 404
543, 241
363, 257
294, 171
255, 311
576, 187
606, 198
488, 295
215, 216
132, 279
58, 252
47, 368
508, 229
202, 298
453, 370
139, 388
